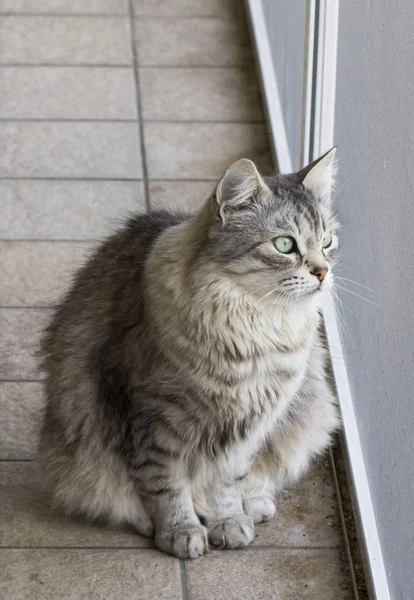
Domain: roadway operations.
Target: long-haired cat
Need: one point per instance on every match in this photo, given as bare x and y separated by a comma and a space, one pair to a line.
185, 371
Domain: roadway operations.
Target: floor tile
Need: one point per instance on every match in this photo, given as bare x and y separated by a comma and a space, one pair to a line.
38, 273
265, 574
191, 41
65, 40
28, 520
187, 8
307, 514
21, 411
89, 574
64, 6
184, 195
200, 94
41, 209
67, 93
20, 330
59, 149
201, 150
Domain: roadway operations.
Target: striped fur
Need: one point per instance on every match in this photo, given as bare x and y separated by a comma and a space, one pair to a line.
185, 372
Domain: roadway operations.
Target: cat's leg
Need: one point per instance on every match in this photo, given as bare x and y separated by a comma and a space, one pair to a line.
228, 525
259, 492
178, 530
305, 433
221, 509
259, 500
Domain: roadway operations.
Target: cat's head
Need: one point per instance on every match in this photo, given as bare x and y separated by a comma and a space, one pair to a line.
275, 236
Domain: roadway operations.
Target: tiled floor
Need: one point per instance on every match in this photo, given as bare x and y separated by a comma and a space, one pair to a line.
107, 107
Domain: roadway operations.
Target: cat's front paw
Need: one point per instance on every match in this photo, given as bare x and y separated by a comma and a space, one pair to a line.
234, 532
259, 509
188, 542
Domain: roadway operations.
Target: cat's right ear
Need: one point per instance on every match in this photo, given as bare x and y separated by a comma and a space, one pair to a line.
240, 186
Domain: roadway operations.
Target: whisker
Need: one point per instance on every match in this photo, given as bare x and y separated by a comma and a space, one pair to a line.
279, 300
260, 288
268, 294
356, 283
345, 306
336, 192
357, 295
341, 318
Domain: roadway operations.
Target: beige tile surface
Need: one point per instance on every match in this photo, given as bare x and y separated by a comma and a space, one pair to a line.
67, 93
268, 574
66, 209
21, 405
187, 8
307, 514
192, 41
184, 195
62, 149
38, 273
65, 40
199, 94
202, 150
89, 575
27, 518
20, 330
64, 6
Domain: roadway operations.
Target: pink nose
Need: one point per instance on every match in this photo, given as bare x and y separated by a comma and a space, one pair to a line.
320, 272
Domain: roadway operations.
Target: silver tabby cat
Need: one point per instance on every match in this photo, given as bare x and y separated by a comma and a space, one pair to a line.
185, 370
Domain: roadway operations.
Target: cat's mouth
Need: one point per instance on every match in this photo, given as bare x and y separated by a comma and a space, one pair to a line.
313, 291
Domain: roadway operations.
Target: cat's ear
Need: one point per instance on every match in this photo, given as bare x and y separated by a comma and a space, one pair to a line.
240, 185
319, 176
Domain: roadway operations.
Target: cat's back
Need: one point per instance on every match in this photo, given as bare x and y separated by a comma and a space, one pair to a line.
117, 264
107, 290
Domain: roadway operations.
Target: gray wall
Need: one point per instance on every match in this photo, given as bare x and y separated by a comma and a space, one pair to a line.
374, 130
286, 22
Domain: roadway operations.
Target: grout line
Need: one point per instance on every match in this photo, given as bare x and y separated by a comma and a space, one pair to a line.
67, 65
245, 549
148, 65
125, 65
173, 121
184, 583
228, 17
75, 240
189, 180
101, 179
138, 100
63, 120
245, 66
290, 548
206, 121
63, 14
134, 548
40, 178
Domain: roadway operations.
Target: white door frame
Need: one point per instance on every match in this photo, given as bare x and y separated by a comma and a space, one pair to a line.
318, 137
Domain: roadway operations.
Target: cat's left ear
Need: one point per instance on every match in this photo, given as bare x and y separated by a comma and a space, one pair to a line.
319, 176
240, 186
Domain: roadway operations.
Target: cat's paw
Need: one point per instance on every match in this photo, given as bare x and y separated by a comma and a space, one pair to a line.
144, 527
188, 542
259, 509
234, 532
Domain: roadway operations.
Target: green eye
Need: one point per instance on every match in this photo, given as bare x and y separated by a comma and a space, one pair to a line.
285, 244
327, 240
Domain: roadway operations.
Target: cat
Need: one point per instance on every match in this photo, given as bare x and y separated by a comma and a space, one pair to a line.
185, 368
